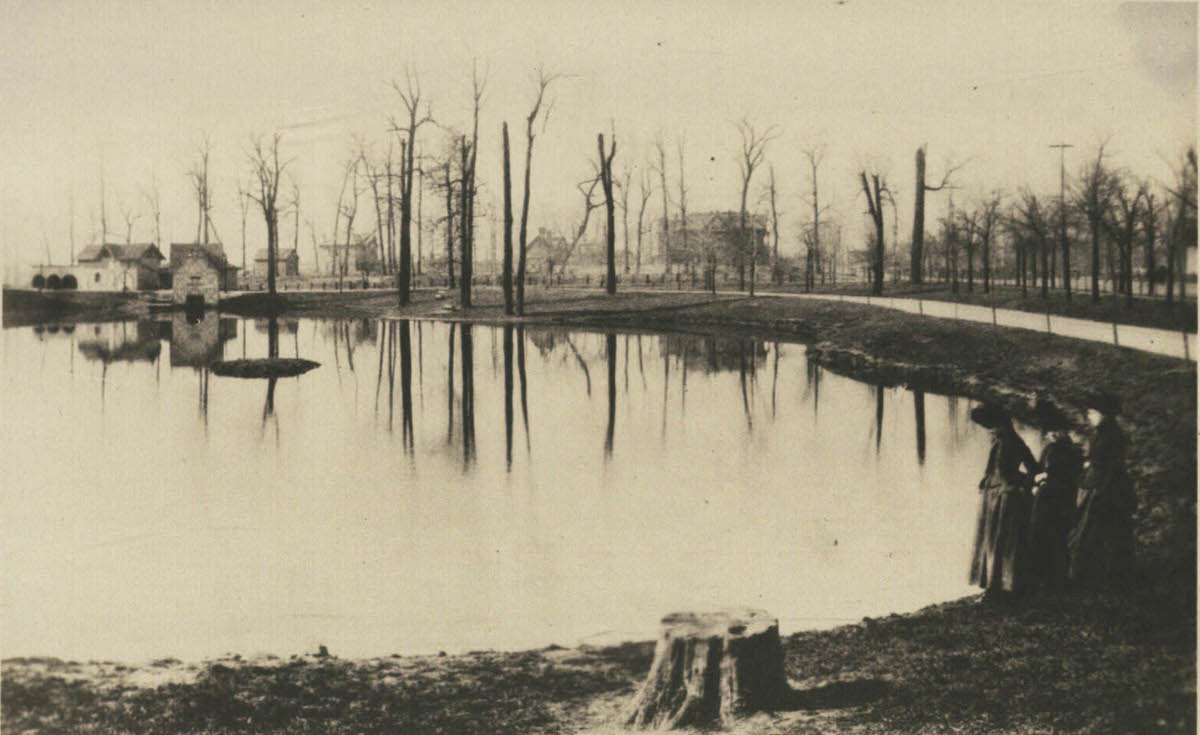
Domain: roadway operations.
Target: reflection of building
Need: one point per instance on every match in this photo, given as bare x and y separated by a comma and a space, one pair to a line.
716, 233
714, 354
200, 271
199, 342
119, 341
361, 256
287, 263
283, 325
107, 267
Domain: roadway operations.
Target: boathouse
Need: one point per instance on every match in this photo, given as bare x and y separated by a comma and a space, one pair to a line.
199, 273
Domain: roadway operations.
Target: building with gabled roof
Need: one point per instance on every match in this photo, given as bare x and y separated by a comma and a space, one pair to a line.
714, 233
200, 272
108, 267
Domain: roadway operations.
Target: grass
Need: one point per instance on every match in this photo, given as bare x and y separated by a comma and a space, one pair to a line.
1071, 663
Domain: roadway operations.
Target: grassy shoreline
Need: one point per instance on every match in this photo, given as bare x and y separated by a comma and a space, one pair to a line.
1080, 663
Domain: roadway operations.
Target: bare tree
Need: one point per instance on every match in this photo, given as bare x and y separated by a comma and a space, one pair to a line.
661, 147
244, 208
645, 192
623, 184
588, 189
771, 195
507, 276
312, 231
918, 237
373, 175
410, 96
1122, 223
683, 227
970, 221
295, 206
1093, 200
1150, 217
988, 216
606, 181
815, 156
875, 188
200, 183
467, 189
349, 210
129, 215
754, 147
1183, 223
266, 171
152, 200
543, 82
1035, 222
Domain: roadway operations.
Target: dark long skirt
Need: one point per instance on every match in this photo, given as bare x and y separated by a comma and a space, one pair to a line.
1101, 546
999, 562
1051, 521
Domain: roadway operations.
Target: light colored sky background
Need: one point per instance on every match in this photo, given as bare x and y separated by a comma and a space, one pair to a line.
133, 88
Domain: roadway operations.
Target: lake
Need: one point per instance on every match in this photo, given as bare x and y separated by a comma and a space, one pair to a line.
436, 486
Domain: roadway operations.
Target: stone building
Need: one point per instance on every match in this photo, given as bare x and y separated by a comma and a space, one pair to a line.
199, 272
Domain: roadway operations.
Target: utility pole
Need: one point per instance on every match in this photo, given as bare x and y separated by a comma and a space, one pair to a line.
1062, 214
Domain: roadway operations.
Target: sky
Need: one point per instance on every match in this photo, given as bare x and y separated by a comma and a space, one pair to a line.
127, 91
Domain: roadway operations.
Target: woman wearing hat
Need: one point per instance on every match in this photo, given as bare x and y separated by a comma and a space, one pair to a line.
1101, 544
1001, 548
1054, 490
999, 562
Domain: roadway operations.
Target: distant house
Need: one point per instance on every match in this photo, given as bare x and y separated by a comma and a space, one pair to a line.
712, 232
108, 267
287, 263
546, 251
363, 256
199, 272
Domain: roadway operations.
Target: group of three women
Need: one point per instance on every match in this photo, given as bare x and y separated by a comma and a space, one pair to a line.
1058, 521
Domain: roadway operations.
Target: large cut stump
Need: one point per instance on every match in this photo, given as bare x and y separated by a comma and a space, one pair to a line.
711, 667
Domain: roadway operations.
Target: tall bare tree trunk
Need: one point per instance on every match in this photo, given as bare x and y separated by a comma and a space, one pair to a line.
606, 181
918, 235
449, 227
508, 222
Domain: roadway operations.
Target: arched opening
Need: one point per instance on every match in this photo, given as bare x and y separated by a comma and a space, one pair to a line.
53, 281
39, 281
69, 281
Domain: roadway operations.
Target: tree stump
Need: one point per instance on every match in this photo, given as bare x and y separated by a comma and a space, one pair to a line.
709, 668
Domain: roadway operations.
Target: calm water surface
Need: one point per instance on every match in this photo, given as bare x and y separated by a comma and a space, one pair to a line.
452, 487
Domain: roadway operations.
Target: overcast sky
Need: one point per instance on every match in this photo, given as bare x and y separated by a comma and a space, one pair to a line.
132, 90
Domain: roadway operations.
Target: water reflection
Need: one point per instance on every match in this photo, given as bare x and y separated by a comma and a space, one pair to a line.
461, 541
198, 342
128, 341
919, 412
468, 394
610, 349
508, 395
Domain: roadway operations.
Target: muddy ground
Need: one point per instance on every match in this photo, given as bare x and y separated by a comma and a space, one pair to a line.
1120, 662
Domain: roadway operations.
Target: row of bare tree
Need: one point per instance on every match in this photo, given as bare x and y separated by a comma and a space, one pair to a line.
1120, 218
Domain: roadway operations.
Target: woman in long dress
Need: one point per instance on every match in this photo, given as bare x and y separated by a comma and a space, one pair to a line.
1055, 490
999, 561
1101, 545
